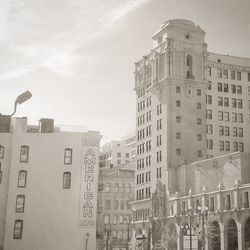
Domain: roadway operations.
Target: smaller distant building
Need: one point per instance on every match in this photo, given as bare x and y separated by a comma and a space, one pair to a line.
130, 142
116, 190
114, 153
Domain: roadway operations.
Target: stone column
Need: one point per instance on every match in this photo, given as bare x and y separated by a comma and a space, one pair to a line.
240, 230
223, 237
179, 239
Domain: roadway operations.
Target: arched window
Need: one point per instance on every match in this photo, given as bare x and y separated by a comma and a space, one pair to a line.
107, 187
128, 188
24, 153
20, 200
66, 179
116, 187
189, 66
1, 152
22, 178
18, 229
68, 156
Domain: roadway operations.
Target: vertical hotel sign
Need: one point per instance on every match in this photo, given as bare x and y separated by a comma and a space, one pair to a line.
89, 182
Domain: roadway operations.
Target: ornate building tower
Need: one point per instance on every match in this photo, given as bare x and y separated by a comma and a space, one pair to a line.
170, 83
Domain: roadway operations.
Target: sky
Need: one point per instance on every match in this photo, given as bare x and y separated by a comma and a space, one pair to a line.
77, 56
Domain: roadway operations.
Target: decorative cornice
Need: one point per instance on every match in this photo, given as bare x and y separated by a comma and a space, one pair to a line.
228, 66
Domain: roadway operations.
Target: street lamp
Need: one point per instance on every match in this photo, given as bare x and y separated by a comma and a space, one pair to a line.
25, 96
108, 230
203, 212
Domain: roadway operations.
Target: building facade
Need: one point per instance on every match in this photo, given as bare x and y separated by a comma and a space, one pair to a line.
48, 187
191, 105
116, 190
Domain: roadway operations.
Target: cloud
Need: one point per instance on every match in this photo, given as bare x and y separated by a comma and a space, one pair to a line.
35, 40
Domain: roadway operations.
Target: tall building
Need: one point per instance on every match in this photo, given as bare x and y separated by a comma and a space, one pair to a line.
48, 187
191, 105
130, 142
116, 190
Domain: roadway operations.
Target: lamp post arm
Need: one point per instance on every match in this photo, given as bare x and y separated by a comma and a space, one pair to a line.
15, 106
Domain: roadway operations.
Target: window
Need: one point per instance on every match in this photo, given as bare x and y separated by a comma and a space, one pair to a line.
1, 152
219, 73
236, 148
225, 87
107, 188
226, 130
178, 103
227, 145
159, 109
128, 188
209, 72
220, 101
234, 117
209, 128
158, 173
118, 162
199, 153
122, 188
158, 140
248, 76
22, 178
240, 117
238, 75
233, 103
220, 115
20, 200
209, 85
116, 187
178, 135
225, 73
226, 116
66, 179
107, 204
24, 154
178, 89
68, 156
240, 132
221, 145
118, 154
209, 114
178, 151
198, 121
228, 202
210, 144
198, 92
158, 156
211, 204
239, 89
241, 146
219, 87
18, 229
106, 219
122, 204
159, 125
121, 219
233, 88
226, 102
235, 132
198, 105
209, 99
239, 103
127, 155
178, 119
115, 220
199, 137
1, 175
248, 90
233, 75
116, 204
221, 130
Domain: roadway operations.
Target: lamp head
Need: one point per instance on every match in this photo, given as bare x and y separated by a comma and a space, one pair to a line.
23, 97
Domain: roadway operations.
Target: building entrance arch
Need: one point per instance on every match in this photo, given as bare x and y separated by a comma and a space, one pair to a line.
214, 236
232, 235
